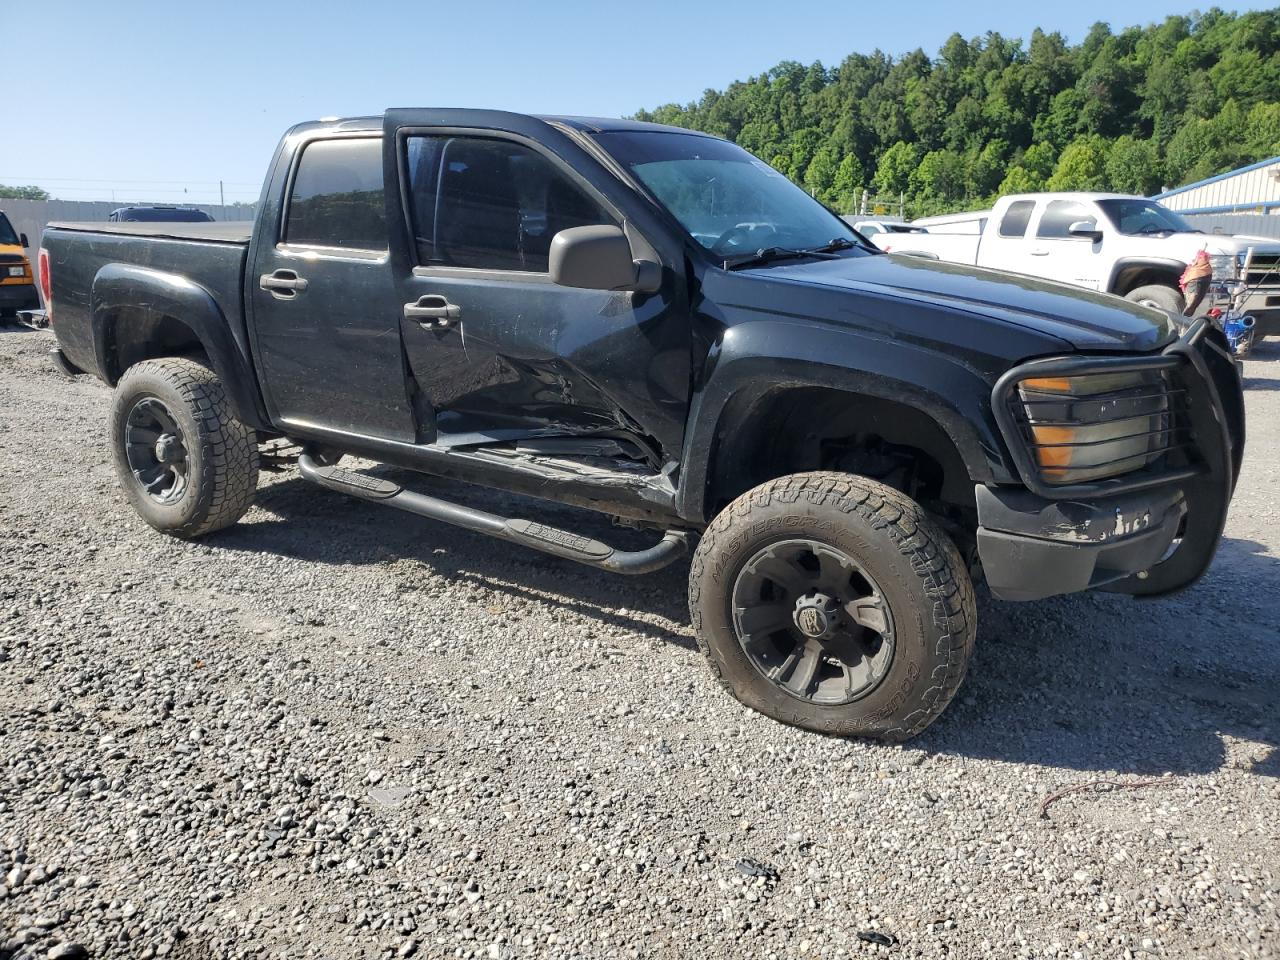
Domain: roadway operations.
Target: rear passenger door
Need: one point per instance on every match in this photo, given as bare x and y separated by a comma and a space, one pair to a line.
325, 310
1007, 244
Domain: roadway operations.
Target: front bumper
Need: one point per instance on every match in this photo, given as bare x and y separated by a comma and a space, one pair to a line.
1149, 533
19, 296
1266, 322
1032, 548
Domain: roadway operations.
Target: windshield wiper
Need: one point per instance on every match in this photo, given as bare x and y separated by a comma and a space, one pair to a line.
771, 254
839, 243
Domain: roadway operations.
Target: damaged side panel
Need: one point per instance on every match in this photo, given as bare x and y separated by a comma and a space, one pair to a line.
529, 358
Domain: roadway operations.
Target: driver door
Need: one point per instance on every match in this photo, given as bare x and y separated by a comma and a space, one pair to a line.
499, 351
1065, 258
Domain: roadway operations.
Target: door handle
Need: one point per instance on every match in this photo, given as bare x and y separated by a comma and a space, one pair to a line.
1039, 253
283, 284
433, 310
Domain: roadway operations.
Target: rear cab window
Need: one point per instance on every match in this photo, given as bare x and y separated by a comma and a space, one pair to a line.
490, 204
336, 198
1013, 224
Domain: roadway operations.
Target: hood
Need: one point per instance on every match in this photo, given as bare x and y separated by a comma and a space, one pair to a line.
1086, 320
1184, 246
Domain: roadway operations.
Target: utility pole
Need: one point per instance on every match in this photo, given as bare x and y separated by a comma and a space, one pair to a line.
222, 200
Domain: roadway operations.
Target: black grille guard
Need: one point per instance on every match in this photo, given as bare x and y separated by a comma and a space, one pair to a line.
1205, 370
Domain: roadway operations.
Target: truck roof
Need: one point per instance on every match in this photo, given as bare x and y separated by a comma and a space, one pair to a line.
583, 124
1072, 195
964, 217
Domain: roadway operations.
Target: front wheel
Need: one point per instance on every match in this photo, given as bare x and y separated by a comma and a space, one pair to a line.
832, 602
186, 464
1159, 296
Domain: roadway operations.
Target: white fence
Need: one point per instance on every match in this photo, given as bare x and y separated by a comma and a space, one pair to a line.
31, 216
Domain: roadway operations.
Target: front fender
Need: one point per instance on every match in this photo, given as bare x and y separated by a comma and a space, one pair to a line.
1124, 264
755, 358
152, 295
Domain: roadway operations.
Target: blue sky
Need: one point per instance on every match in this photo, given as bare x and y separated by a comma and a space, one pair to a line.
154, 98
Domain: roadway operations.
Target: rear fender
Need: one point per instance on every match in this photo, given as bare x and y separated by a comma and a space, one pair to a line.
151, 296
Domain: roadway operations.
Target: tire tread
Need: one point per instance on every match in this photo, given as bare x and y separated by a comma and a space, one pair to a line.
930, 551
229, 468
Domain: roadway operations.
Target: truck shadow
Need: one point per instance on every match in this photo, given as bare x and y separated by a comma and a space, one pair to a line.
1107, 683
334, 529
1096, 682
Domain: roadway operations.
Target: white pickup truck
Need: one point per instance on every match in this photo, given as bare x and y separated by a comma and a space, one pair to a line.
1125, 245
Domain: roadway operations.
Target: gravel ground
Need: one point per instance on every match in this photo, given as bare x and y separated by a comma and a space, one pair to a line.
336, 731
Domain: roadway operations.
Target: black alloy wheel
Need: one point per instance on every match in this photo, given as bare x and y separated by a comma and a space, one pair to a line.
813, 622
156, 450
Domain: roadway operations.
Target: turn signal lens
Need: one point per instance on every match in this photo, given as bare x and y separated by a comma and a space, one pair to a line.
1048, 384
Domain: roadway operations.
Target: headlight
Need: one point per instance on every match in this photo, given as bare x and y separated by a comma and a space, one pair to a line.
1096, 425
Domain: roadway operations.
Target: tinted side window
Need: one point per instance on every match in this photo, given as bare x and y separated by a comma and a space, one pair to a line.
1016, 218
490, 204
1059, 215
337, 196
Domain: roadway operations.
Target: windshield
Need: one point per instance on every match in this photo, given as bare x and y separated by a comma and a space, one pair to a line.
7, 236
1134, 217
730, 202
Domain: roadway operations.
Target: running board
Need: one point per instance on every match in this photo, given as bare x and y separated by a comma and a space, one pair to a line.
539, 536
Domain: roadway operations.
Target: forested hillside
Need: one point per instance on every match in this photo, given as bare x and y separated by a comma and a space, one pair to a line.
1132, 111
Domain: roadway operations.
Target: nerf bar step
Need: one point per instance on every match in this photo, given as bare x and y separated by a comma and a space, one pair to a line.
539, 536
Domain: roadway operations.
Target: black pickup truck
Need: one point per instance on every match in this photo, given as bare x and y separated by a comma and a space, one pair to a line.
652, 323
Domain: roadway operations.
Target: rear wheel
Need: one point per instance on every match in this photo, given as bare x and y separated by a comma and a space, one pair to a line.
186, 464
832, 602
1159, 296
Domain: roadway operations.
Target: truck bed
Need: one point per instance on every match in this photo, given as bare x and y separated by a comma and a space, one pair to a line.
85, 256
232, 231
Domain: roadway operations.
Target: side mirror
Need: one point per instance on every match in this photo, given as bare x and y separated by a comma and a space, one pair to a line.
24, 241
1085, 230
599, 258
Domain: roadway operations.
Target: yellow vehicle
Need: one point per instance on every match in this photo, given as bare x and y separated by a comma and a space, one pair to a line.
17, 288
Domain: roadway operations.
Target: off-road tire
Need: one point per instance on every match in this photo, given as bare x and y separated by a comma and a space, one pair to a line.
919, 570
222, 452
1166, 298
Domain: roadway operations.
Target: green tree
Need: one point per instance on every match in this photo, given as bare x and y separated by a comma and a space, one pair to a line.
848, 183
1134, 166
802, 147
23, 193
1262, 131
1020, 180
893, 174
1134, 108
820, 175
986, 168
1194, 152
1082, 166
938, 176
